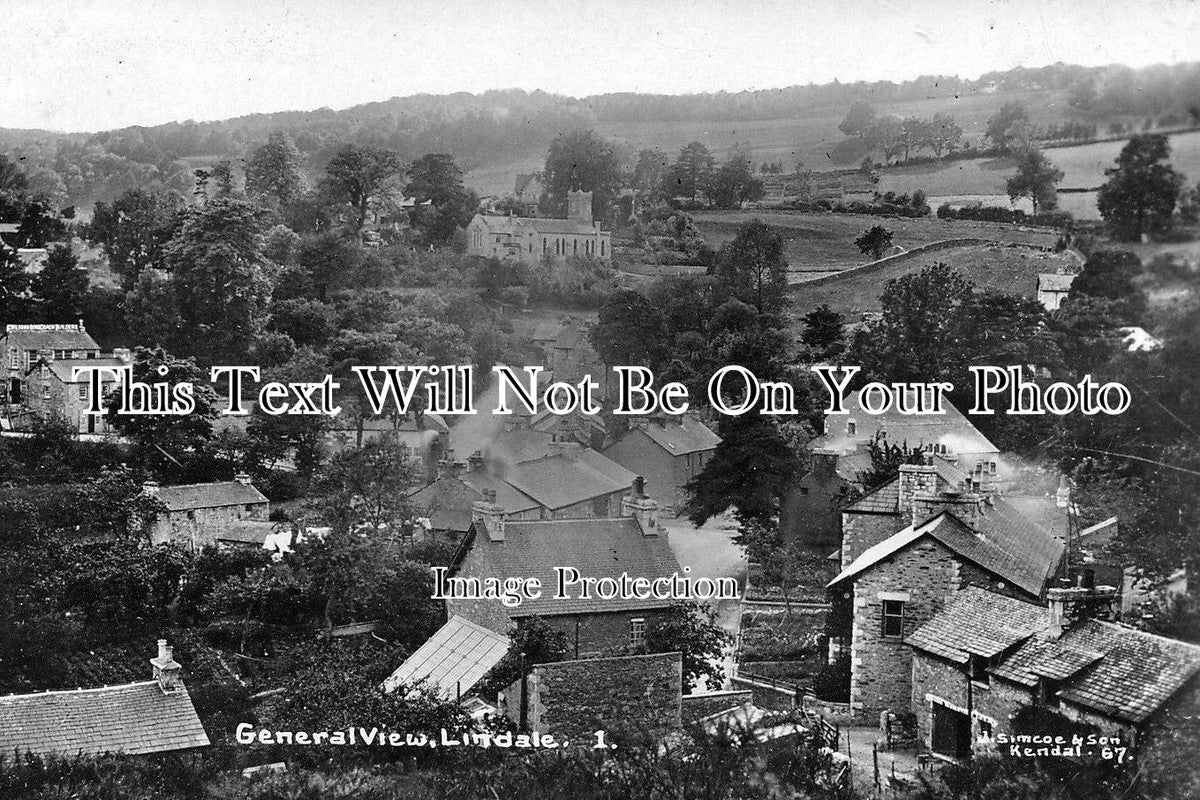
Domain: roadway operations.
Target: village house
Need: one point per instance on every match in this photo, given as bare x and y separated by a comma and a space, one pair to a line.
1053, 288
987, 662
530, 240
53, 392
154, 716
918, 540
199, 514
633, 543
25, 344
809, 509
669, 451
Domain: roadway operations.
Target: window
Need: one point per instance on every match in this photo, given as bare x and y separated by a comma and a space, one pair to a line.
191, 514
14, 359
986, 731
893, 617
46, 391
83, 391
804, 491
637, 632
545, 249
851, 428
574, 247
249, 506
601, 247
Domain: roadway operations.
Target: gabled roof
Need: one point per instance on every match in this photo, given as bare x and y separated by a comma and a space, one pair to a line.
598, 548
978, 622
579, 474
884, 499
453, 660
208, 495
248, 531
1054, 282
62, 367
1005, 544
1118, 671
681, 435
951, 429
447, 501
135, 718
50, 337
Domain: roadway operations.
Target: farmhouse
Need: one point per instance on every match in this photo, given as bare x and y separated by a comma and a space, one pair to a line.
530, 240
154, 716
989, 662
199, 514
1053, 288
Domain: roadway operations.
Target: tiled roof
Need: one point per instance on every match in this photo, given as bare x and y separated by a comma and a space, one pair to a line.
851, 466
50, 337
208, 495
248, 531
1006, 544
62, 367
951, 429
453, 660
682, 435
519, 444
978, 622
598, 548
542, 225
454, 496
1053, 282
562, 480
883, 500
135, 718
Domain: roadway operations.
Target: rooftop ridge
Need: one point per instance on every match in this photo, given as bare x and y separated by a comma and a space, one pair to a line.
79, 690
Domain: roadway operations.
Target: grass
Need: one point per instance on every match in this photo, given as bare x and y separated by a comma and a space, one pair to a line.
822, 242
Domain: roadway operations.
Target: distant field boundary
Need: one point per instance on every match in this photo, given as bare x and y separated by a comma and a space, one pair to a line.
944, 244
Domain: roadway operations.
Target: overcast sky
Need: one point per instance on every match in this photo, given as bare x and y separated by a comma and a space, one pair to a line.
96, 64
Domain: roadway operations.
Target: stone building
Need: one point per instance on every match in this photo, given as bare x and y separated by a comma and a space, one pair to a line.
154, 716
635, 544
52, 392
530, 240
25, 344
669, 451
1053, 288
200, 514
892, 582
987, 659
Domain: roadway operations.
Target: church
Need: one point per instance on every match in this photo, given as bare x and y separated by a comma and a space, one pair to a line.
529, 240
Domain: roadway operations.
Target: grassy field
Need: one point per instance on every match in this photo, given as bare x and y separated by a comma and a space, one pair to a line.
1010, 269
825, 242
809, 137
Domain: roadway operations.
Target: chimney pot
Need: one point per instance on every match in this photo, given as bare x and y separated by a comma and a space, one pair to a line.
242, 478
165, 669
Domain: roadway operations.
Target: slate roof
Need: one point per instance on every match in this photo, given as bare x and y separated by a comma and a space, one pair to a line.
951, 429
57, 337
978, 622
208, 495
62, 367
598, 548
1005, 544
1118, 671
562, 480
883, 500
453, 660
1054, 282
681, 435
135, 718
248, 531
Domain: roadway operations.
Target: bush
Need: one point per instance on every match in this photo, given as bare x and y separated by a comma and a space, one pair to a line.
832, 683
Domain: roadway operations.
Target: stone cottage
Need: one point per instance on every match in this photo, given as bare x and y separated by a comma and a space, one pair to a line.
669, 451
25, 344
51, 391
199, 514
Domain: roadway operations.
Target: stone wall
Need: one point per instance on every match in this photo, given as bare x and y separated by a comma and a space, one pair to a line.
863, 530
201, 526
573, 699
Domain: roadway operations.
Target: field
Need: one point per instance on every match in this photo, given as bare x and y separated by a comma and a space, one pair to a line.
817, 244
1083, 167
1009, 269
809, 137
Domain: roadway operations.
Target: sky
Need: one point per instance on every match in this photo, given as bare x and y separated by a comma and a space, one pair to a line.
83, 65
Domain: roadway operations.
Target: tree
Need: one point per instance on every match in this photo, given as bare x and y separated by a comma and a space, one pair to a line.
13, 185
435, 177
942, 134
913, 134
751, 266
691, 172
584, 161
1036, 178
733, 184
691, 630
824, 331
1112, 275
887, 135
650, 169
14, 285
1142, 189
749, 471
134, 230
151, 309
368, 485
357, 174
39, 226
874, 240
274, 171
859, 119
61, 286
531, 641
218, 271
1006, 125
630, 329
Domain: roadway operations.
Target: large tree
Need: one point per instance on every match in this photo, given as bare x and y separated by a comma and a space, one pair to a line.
436, 178
942, 134
1008, 125
749, 471
859, 119
61, 286
357, 174
135, 229
1142, 189
875, 241
584, 161
752, 268
691, 172
1036, 178
274, 170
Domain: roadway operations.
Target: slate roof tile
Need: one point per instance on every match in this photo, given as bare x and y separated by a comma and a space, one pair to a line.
208, 495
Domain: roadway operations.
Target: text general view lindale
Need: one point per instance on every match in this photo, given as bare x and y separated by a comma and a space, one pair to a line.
732, 390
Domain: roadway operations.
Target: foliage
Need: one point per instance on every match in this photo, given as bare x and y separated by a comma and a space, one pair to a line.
585, 161
751, 267
749, 471
1112, 275
134, 230
1140, 195
875, 240
693, 631
1036, 178
436, 178
691, 171
357, 175
824, 331
532, 641
274, 170
1008, 126
60, 287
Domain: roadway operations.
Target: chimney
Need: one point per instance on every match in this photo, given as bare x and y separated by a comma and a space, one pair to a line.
150, 488
637, 505
1075, 603
166, 669
79, 325
490, 514
123, 354
243, 478
965, 504
475, 460
914, 479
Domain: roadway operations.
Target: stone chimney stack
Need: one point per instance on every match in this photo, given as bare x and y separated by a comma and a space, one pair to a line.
915, 479
243, 478
637, 505
166, 669
490, 515
579, 207
1075, 603
123, 354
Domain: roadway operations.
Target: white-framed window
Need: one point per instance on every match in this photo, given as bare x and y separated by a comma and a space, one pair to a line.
83, 391
893, 618
14, 358
45, 391
637, 631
